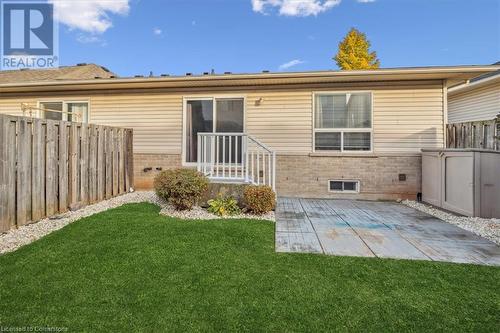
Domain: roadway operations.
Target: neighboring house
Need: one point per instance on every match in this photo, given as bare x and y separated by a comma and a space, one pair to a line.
342, 134
60, 74
63, 73
473, 113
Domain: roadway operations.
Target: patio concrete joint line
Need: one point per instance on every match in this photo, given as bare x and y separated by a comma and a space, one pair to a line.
312, 226
354, 230
397, 231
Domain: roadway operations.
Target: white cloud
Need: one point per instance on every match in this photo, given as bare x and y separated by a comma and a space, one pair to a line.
91, 16
291, 63
157, 31
294, 7
258, 5
88, 39
91, 39
366, 1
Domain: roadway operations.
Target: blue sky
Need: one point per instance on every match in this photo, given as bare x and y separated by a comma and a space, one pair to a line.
178, 36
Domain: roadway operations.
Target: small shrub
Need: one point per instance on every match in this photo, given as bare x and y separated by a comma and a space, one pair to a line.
181, 187
223, 206
259, 199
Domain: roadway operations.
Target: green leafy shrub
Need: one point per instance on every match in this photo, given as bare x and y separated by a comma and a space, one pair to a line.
259, 199
223, 206
181, 187
224, 190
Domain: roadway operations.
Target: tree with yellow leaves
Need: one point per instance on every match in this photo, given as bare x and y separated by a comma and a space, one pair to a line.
354, 52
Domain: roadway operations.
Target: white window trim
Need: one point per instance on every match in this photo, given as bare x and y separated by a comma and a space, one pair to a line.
341, 130
65, 107
357, 181
212, 98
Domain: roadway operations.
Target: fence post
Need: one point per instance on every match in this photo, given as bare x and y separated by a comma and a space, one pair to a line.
101, 163
23, 198
92, 193
51, 177
73, 164
4, 174
130, 152
109, 163
37, 171
63, 166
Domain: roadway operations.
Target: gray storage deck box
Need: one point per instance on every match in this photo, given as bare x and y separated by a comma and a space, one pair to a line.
465, 181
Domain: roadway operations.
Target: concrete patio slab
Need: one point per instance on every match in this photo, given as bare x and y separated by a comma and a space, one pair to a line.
375, 229
298, 242
343, 243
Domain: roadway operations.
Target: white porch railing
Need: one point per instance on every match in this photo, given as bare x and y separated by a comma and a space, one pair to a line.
236, 157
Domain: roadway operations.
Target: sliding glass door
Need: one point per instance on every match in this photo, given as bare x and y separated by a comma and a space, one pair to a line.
199, 119
229, 117
217, 115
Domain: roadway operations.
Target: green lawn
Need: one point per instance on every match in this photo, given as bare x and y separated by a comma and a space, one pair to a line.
130, 269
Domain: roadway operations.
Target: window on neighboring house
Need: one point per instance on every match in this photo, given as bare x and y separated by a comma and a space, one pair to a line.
78, 111
497, 137
473, 136
69, 111
486, 136
343, 122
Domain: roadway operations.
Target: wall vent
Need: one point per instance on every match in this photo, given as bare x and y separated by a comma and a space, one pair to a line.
343, 186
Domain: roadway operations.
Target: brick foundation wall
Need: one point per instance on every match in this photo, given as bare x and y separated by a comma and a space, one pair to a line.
307, 176
143, 180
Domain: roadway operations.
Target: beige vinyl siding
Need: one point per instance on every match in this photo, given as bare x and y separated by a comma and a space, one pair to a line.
406, 118
12, 106
474, 105
282, 121
156, 119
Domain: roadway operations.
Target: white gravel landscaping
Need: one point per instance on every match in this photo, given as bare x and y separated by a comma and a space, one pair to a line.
198, 213
24, 235
487, 228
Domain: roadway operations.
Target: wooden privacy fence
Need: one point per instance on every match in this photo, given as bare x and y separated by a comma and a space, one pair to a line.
48, 166
479, 135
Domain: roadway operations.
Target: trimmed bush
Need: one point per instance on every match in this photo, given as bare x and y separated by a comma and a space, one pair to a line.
223, 206
259, 199
181, 187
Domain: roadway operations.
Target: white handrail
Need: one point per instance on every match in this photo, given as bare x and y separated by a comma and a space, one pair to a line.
222, 133
260, 143
238, 158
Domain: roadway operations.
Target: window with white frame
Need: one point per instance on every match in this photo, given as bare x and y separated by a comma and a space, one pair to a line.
69, 111
343, 122
346, 186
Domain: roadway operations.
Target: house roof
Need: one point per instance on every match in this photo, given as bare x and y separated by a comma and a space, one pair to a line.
454, 74
477, 82
66, 73
487, 75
